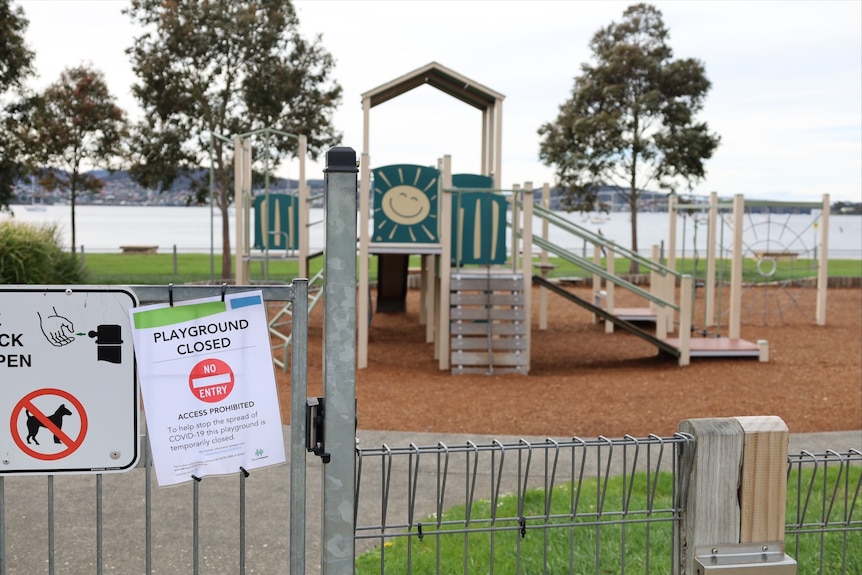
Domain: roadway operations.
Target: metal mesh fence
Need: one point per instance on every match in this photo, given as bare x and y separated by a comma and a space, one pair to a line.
823, 528
575, 506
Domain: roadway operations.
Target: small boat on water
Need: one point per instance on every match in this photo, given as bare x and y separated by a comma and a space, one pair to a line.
34, 207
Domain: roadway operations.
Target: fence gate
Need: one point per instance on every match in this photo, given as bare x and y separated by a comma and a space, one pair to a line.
51, 515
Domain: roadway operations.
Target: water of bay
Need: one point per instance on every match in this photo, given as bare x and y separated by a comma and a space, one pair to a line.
198, 229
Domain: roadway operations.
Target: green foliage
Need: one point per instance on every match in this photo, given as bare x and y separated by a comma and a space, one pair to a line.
74, 121
16, 63
224, 68
32, 254
630, 121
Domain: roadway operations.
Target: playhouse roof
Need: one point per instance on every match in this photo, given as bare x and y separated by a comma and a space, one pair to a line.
440, 77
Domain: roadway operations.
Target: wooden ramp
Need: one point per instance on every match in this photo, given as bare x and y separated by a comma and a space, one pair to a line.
488, 323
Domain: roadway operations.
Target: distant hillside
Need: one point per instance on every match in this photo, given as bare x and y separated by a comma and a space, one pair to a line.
120, 189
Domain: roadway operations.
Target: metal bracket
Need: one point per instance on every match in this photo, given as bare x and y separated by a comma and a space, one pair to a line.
314, 416
744, 559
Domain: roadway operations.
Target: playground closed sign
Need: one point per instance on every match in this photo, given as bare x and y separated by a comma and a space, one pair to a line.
208, 386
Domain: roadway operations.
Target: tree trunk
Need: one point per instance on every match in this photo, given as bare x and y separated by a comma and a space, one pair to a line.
72, 190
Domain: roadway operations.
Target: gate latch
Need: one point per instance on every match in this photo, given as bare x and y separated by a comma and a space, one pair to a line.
314, 440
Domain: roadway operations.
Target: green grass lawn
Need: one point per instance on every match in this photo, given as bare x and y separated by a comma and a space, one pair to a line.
158, 269
626, 541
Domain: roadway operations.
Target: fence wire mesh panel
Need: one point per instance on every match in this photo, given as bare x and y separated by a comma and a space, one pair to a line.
124, 523
575, 506
823, 528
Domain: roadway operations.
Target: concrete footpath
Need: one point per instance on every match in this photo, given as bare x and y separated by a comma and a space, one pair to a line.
73, 517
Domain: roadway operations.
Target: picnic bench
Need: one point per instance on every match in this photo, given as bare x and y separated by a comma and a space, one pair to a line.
777, 256
139, 249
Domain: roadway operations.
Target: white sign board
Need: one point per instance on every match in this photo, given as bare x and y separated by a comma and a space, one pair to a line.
68, 388
208, 386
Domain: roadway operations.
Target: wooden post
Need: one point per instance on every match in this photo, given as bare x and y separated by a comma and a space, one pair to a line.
711, 508
427, 295
709, 282
685, 311
543, 260
823, 269
363, 301
597, 281
738, 484
610, 266
527, 262
515, 241
657, 288
736, 268
671, 259
444, 331
763, 487
671, 231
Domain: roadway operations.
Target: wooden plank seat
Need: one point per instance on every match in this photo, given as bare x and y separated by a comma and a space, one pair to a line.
777, 256
139, 249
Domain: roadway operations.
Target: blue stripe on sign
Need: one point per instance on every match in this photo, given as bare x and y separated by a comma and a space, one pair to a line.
239, 302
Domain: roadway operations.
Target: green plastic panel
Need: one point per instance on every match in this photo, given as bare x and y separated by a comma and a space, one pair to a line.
406, 207
479, 228
281, 214
406, 204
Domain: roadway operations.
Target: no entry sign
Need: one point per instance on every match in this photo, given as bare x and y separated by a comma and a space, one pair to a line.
211, 380
69, 400
208, 386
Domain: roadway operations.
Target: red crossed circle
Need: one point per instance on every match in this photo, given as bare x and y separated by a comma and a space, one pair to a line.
71, 443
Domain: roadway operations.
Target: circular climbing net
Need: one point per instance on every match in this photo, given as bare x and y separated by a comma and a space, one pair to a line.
780, 263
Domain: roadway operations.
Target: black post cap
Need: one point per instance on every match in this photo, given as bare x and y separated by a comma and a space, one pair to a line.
341, 159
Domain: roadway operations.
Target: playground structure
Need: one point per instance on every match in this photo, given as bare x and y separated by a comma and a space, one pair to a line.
435, 268
476, 303
475, 309
279, 228
475, 286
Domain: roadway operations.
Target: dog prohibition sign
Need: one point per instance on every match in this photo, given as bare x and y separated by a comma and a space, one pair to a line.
39, 432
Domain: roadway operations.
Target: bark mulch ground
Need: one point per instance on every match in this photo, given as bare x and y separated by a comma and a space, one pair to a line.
586, 383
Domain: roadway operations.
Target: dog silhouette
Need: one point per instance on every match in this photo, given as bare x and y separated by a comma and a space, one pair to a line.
33, 423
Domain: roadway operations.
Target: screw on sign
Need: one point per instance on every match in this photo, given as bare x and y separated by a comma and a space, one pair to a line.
211, 380
28, 420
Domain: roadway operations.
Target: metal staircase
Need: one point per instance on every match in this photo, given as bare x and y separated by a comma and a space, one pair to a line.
282, 321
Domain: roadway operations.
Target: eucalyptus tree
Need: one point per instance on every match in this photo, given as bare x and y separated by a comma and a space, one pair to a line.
74, 125
224, 68
16, 64
631, 118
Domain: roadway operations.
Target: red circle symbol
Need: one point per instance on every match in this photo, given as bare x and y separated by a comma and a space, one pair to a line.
211, 380
52, 421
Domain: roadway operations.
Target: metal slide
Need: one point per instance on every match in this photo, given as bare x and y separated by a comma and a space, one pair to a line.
662, 345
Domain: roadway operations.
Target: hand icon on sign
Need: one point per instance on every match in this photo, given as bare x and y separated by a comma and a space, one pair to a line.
56, 328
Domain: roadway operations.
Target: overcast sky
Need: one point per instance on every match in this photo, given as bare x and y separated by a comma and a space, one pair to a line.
786, 97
